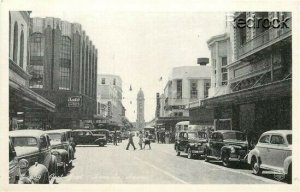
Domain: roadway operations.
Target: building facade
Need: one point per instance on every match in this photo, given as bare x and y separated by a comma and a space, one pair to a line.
22, 100
140, 118
109, 95
186, 84
63, 65
259, 78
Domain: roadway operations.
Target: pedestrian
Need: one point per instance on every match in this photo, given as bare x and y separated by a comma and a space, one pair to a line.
157, 136
141, 140
130, 141
163, 139
115, 138
147, 140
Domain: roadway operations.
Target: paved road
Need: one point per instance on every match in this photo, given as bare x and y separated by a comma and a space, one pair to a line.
115, 165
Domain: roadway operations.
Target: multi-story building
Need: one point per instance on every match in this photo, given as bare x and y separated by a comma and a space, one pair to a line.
259, 76
186, 84
22, 100
109, 95
140, 101
63, 65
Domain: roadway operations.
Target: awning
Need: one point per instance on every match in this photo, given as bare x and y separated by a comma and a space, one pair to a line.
23, 98
268, 91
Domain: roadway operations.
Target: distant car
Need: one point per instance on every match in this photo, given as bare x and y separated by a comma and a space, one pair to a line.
228, 146
103, 132
14, 169
87, 137
61, 148
34, 149
190, 142
273, 152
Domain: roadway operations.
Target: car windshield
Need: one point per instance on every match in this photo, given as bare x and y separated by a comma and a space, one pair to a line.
192, 135
55, 136
202, 135
24, 142
289, 138
234, 135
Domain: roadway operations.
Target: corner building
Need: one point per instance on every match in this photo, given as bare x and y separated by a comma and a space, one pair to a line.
63, 65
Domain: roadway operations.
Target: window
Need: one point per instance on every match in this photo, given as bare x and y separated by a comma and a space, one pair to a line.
277, 140
265, 139
36, 61
22, 49
103, 81
193, 88
43, 143
224, 61
65, 64
114, 82
179, 89
289, 139
15, 45
206, 87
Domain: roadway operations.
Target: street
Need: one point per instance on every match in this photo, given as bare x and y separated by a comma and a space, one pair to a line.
160, 165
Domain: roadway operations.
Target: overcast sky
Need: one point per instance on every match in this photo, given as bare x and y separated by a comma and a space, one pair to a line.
142, 46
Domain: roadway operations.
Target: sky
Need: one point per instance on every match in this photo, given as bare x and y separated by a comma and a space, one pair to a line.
142, 46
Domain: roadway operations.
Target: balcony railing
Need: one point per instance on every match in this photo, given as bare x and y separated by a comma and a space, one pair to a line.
270, 35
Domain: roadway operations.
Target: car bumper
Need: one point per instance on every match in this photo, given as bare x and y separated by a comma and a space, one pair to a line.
237, 158
198, 152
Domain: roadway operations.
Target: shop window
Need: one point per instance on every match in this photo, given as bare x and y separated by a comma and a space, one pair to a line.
224, 61
65, 64
15, 45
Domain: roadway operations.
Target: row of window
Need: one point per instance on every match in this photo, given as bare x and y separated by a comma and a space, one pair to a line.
193, 89
37, 46
103, 81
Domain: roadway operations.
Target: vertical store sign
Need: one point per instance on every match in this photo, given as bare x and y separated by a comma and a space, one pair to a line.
109, 113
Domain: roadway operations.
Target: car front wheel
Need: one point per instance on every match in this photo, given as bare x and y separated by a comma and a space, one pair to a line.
255, 166
225, 160
177, 151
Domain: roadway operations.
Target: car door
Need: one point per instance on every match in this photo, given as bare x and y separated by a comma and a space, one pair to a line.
262, 146
185, 140
218, 145
212, 142
278, 151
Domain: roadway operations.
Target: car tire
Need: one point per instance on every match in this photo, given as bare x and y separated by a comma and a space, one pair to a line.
225, 160
255, 166
177, 151
190, 154
289, 175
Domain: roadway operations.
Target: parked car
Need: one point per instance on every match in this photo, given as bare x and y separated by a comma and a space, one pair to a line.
273, 152
14, 169
228, 146
87, 137
190, 142
33, 150
125, 135
61, 148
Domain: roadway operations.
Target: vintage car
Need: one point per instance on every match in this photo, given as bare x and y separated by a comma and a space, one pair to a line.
273, 152
33, 151
228, 146
190, 142
14, 169
87, 137
61, 148
103, 132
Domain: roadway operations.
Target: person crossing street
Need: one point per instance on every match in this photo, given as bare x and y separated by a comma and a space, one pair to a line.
130, 141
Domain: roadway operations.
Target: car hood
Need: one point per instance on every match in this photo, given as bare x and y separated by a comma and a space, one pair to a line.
23, 151
236, 143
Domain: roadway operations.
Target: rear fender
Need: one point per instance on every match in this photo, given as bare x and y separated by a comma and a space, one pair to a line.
286, 164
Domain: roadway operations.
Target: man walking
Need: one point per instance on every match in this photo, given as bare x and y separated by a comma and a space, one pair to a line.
157, 136
130, 141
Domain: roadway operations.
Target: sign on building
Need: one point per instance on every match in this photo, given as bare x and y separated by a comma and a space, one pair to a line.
74, 101
109, 112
